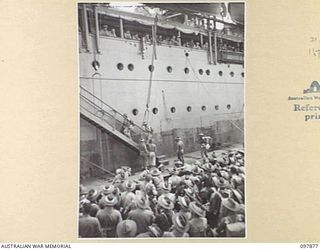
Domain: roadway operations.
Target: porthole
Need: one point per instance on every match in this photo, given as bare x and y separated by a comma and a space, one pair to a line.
173, 109
130, 67
151, 68
120, 66
135, 112
208, 72
189, 108
232, 74
201, 71
228, 106
186, 70
216, 107
155, 111
242, 74
204, 108
220, 73
169, 69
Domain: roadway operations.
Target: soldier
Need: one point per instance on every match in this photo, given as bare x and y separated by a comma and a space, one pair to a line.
202, 146
127, 198
179, 228
180, 149
143, 154
113, 32
174, 41
152, 153
198, 223
142, 215
147, 38
174, 180
127, 35
109, 217
127, 132
148, 129
89, 227
125, 123
105, 31
159, 39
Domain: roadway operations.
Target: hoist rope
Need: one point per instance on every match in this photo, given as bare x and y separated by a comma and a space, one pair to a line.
154, 32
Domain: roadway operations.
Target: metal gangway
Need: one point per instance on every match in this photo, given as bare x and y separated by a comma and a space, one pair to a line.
102, 115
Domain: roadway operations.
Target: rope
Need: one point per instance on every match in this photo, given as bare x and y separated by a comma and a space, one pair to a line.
154, 31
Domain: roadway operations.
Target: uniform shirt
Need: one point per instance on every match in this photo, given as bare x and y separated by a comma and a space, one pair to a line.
175, 234
180, 146
174, 180
224, 221
109, 219
127, 35
187, 181
143, 148
152, 147
157, 180
126, 199
150, 188
236, 181
166, 216
142, 217
106, 32
198, 227
145, 235
89, 227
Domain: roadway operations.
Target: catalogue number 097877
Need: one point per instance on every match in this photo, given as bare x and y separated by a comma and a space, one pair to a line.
309, 245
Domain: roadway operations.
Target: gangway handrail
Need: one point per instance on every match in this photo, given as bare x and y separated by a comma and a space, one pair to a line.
95, 106
113, 109
117, 122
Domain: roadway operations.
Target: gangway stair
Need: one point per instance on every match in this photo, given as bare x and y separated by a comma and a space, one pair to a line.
108, 119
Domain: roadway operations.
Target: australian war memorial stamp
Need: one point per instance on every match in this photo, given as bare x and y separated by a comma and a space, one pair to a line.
308, 103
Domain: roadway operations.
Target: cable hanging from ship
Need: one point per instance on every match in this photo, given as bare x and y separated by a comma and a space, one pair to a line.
154, 56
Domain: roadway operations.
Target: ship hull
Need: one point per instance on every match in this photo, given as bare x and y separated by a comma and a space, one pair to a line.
211, 102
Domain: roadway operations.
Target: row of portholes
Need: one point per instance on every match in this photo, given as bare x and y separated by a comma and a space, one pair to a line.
173, 109
169, 69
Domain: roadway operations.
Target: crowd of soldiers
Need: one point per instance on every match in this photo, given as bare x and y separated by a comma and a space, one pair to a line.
166, 40
201, 198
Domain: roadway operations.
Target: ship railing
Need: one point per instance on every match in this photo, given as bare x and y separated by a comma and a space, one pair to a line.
230, 56
140, 40
103, 111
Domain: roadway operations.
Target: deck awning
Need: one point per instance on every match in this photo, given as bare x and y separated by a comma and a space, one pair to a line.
148, 20
162, 22
236, 11
201, 9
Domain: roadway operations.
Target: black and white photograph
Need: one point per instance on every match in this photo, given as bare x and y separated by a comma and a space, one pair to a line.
161, 105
